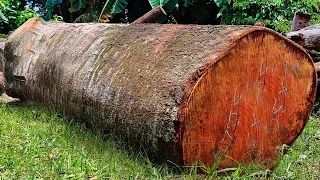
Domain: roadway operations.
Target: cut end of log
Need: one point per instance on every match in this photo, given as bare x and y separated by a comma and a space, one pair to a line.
248, 104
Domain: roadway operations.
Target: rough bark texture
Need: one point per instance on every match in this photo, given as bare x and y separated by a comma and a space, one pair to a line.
152, 16
308, 37
184, 92
2, 63
300, 21
317, 66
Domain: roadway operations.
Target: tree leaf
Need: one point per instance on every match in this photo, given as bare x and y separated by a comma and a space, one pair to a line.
3, 17
119, 6
154, 3
187, 3
51, 4
167, 5
112, 7
77, 6
49, 15
220, 3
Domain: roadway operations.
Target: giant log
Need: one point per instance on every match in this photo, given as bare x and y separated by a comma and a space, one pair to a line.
184, 93
308, 37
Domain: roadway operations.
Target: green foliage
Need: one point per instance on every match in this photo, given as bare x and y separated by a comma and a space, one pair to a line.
118, 6
113, 7
76, 5
168, 5
72, 10
302, 161
2, 37
57, 18
181, 11
12, 15
50, 6
276, 14
88, 17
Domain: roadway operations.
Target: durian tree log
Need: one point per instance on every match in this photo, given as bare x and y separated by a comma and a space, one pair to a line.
2, 61
300, 21
2, 58
308, 37
317, 66
182, 92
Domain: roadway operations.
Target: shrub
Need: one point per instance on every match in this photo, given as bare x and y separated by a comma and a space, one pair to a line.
276, 14
12, 15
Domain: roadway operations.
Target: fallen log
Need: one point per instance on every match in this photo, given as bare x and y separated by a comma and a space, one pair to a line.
316, 59
300, 21
2, 62
317, 66
308, 37
182, 92
4, 98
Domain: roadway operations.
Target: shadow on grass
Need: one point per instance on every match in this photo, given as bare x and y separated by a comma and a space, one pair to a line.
36, 142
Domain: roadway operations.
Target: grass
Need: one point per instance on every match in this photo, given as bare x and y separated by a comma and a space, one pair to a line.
36, 143
2, 37
302, 160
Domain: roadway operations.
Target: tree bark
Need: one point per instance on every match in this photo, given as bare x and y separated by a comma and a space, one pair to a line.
182, 92
317, 66
4, 98
152, 16
308, 37
300, 21
2, 62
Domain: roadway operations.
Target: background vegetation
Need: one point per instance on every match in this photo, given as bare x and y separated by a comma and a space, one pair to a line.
276, 14
12, 14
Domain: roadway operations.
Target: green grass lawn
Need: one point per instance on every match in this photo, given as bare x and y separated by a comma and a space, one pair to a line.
37, 143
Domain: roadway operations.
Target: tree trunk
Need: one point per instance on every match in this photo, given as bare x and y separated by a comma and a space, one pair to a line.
300, 21
152, 16
183, 92
308, 37
2, 62
317, 66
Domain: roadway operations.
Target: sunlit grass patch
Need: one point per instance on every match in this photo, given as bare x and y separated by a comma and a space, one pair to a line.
303, 158
38, 143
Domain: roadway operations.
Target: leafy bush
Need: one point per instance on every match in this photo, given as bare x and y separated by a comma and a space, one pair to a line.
276, 14
124, 11
12, 15
78, 11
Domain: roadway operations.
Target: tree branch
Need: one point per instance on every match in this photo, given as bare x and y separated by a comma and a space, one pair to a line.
152, 16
